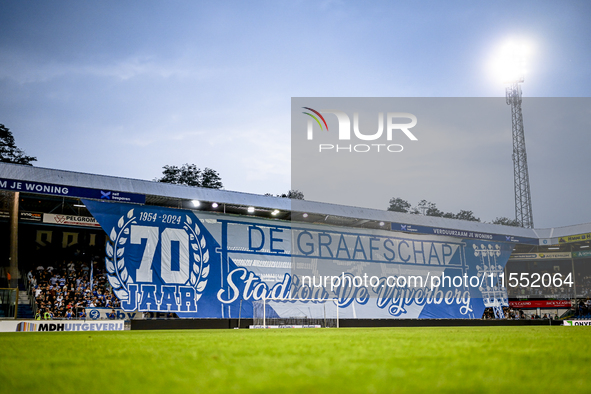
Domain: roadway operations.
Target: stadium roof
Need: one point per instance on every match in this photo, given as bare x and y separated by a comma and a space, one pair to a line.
180, 196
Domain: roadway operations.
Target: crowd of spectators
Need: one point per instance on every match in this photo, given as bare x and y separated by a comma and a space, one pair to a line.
583, 309
563, 292
516, 314
509, 313
64, 290
583, 286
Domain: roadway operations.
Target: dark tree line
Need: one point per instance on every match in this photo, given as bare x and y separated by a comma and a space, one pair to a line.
190, 175
428, 208
293, 194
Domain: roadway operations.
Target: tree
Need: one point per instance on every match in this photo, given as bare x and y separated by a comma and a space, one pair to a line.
466, 215
211, 179
506, 222
427, 208
293, 194
190, 175
399, 205
171, 174
9, 152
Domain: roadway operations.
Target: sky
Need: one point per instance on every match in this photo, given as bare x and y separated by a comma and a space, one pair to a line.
124, 88
460, 157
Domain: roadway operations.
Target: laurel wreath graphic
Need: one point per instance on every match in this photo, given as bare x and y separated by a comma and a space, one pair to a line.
200, 272
115, 263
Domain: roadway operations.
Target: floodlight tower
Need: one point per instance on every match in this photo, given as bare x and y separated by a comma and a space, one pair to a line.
523, 210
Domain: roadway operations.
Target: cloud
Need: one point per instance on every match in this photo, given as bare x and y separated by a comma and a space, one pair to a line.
23, 69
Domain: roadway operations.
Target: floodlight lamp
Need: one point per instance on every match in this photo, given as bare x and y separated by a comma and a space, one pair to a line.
305, 215
509, 65
214, 205
381, 224
250, 209
196, 203
275, 212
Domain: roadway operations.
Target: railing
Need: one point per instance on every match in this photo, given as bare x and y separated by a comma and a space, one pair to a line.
29, 289
9, 303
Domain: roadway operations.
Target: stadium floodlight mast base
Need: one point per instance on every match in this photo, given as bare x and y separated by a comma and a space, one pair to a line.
523, 208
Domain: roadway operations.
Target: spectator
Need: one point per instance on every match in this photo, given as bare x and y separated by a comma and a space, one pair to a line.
61, 289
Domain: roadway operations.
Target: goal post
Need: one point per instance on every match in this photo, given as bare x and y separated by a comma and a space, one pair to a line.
295, 313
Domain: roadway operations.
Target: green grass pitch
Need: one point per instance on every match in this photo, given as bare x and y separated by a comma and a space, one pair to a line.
350, 360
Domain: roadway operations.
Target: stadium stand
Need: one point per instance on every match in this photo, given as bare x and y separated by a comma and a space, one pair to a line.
56, 229
66, 286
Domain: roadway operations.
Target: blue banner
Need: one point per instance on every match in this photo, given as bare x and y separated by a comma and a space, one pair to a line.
70, 191
217, 266
411, 228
